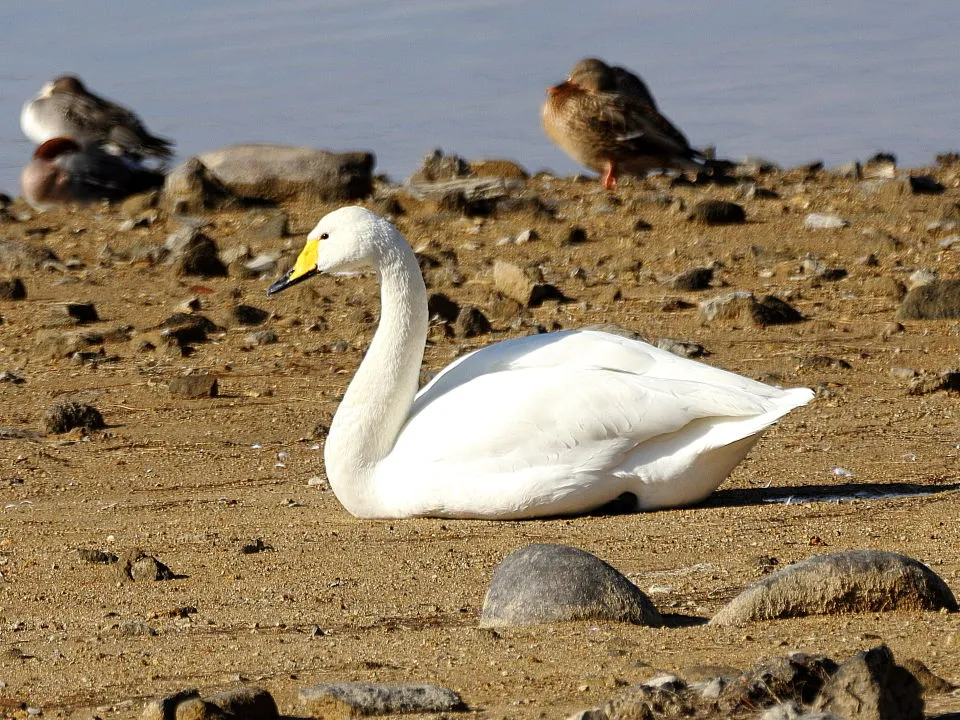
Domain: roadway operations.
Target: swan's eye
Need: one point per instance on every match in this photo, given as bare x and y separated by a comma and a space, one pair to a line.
325, 236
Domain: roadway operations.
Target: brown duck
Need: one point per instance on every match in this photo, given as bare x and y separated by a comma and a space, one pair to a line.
604, 117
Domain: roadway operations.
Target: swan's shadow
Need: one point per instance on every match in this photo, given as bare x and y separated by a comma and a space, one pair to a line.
626, 503
823, 493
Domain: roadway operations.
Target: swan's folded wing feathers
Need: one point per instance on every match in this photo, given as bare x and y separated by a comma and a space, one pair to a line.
586, 418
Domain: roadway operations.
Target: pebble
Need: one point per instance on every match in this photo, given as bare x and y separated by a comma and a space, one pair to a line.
547, 583
260, 337
346, 700
471, 322
65, 415
691, 280
871, 686
249, 315
138, 566
718, 212
936, 300
741, 306
853, 581
13, 289
819, 221
194, 386
683, 348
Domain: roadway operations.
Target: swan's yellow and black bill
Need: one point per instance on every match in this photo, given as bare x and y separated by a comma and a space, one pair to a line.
305, 267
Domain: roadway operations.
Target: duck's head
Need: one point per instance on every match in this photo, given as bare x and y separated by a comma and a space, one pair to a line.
349, 239
592, 74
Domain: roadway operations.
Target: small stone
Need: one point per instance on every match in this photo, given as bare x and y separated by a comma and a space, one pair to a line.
927, 383
97, 557
526, 236
197, 709
80, 313
136, 628
442, 307
192, 188
718, 212
261, 264
348, 700
138, 566
683, 348
246, 703
200, 258
691, 280
545, 583
854, 581
65, 415
936, 300
871, 686
471, 322
575, 236
925, 185
13, 289
812, 266
741, 306
819, 221
249, 315
194, 386
260, 337
164, 708
849, 170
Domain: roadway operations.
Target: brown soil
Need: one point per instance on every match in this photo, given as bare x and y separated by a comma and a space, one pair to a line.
192, 480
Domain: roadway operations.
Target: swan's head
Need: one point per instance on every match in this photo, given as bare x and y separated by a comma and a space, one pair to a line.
348, 239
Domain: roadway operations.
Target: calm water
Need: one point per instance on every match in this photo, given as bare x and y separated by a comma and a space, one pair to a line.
791, 81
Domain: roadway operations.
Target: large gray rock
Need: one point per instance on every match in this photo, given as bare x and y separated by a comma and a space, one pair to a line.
854, 581
871, 686
283, 172
932, 301
555, 583
355, 699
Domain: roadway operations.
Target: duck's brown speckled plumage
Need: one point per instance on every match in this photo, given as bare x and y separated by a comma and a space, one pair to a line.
606, 119
66, 108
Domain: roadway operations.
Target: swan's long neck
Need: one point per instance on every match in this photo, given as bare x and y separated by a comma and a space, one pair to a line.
378, 400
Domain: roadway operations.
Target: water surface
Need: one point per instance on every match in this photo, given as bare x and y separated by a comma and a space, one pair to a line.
791, 81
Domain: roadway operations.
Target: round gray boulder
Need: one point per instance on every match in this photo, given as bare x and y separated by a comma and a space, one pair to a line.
846, 582
554, 583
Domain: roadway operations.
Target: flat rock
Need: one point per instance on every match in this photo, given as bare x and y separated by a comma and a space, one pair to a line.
12, 289
926, 383
191, 188
718, 212
65, 415
137, 565
871, 686
248, 703
935, 300
355, 699
471, 322
194, 386
546, 583
847, 582
691, 280
282, 172
743, 307
820, 221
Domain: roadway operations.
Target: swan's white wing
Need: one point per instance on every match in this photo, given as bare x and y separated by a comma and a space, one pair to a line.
580, 349
534, 436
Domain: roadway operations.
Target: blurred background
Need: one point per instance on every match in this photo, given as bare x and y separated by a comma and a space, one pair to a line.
793, 82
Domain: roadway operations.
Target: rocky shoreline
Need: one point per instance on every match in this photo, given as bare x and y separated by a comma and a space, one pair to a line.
162, 416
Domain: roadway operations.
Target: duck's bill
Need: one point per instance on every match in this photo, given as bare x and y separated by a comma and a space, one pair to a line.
292, 277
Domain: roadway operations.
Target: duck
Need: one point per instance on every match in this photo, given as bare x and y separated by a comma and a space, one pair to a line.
62, 171
606, 119
65, 107
555, 424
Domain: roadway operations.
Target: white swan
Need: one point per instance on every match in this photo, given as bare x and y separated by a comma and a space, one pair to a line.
552, 424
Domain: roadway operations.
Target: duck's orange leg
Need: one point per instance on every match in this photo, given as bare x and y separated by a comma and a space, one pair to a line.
610, 177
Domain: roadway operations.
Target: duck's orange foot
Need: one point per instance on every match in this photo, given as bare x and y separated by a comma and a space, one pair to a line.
609, 178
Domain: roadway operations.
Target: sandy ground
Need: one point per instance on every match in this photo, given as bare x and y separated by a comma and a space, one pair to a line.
334, 598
